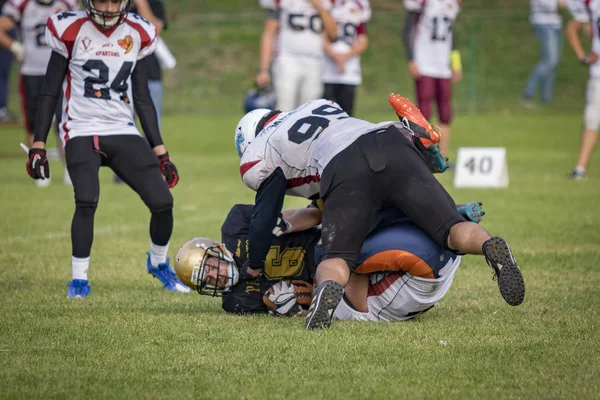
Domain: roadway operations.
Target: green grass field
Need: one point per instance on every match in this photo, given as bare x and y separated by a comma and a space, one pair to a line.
131, 339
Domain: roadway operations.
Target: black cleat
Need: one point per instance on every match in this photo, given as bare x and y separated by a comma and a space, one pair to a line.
506, 271
326, 298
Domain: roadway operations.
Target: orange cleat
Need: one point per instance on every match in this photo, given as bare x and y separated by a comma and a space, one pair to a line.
417, 123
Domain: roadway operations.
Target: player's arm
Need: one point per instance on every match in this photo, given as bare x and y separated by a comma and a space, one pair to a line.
268, 205
145, 11
302, 219
144, 107
329, 25
408, 37
15, 47
50, 93
271, 26
455, 61
572, 34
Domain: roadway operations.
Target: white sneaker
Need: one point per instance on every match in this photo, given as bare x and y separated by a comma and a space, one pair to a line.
42, 183
67, 178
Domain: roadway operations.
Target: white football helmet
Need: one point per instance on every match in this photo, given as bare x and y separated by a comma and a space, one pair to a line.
246, 129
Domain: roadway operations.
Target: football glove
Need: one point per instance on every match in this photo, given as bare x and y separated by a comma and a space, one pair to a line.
168, 170
280, 299
37, 165
282, 227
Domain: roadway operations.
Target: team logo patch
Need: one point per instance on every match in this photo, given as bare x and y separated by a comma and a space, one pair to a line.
126, 43
239, 141
85, 42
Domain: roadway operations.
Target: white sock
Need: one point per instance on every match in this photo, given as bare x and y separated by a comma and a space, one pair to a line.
80, 267
580, 170
158, 254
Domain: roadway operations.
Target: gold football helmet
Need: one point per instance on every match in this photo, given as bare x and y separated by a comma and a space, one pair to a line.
206, 266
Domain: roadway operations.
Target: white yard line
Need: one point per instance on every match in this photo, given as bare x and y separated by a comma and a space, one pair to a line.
97, 231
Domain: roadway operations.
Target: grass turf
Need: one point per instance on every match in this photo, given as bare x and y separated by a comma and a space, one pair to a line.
132, 339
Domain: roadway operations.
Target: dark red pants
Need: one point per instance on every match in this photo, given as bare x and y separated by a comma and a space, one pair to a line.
438, 89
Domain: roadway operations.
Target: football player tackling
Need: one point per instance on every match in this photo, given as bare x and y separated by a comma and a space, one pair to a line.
357, 168
98, 60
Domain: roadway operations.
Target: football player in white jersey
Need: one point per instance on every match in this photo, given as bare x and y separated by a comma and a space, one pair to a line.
356, 167
98, 60
433, 61
33, 53
292, 38
341, 72
585, 14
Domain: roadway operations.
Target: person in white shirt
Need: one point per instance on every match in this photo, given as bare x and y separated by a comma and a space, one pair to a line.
342, 72
292, 39
546, 22
586, 15
99, 61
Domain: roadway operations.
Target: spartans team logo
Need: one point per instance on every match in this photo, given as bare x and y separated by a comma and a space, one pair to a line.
126, 43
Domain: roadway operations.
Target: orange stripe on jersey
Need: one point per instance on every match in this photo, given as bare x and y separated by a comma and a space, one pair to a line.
396, 260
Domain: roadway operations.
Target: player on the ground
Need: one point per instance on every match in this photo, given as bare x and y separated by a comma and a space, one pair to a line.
342, 72
413, 273
98, 60
356, 167
32, 53
293, 39
586, 13
433, 61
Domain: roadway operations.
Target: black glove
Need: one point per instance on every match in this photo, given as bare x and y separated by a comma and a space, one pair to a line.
244, 274
37, 165
168, 170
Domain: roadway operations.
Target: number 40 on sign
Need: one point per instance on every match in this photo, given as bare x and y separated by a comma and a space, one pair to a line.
481, 167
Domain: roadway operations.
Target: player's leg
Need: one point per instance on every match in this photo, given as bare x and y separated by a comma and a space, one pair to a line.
443, 93
413, 189
346, 94
311, 86
132, 159
553, 49
542, 68
83, 164
349, 204
287, 76
589, 136
330, 92
425, 86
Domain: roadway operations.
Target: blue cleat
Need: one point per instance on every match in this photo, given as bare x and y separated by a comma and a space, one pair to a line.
437, 163
471, 211
78, 289
166, 275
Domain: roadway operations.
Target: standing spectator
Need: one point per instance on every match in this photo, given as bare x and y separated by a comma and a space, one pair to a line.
33, 55
583, 14
297, 25
5, 61
433, 61
546, 22
342, 73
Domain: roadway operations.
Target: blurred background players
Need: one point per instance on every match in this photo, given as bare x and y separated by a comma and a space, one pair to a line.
546, 22
433, 61
6, 57
342, 72
33, 54
292, 39
584, 13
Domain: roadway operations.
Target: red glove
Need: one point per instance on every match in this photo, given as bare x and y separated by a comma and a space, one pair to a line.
168, 170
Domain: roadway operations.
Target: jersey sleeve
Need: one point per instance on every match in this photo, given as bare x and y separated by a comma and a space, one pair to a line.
269, 4
13, 9
254, 173
365, 11
579, 11
413, 5
62, 30
146, 32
